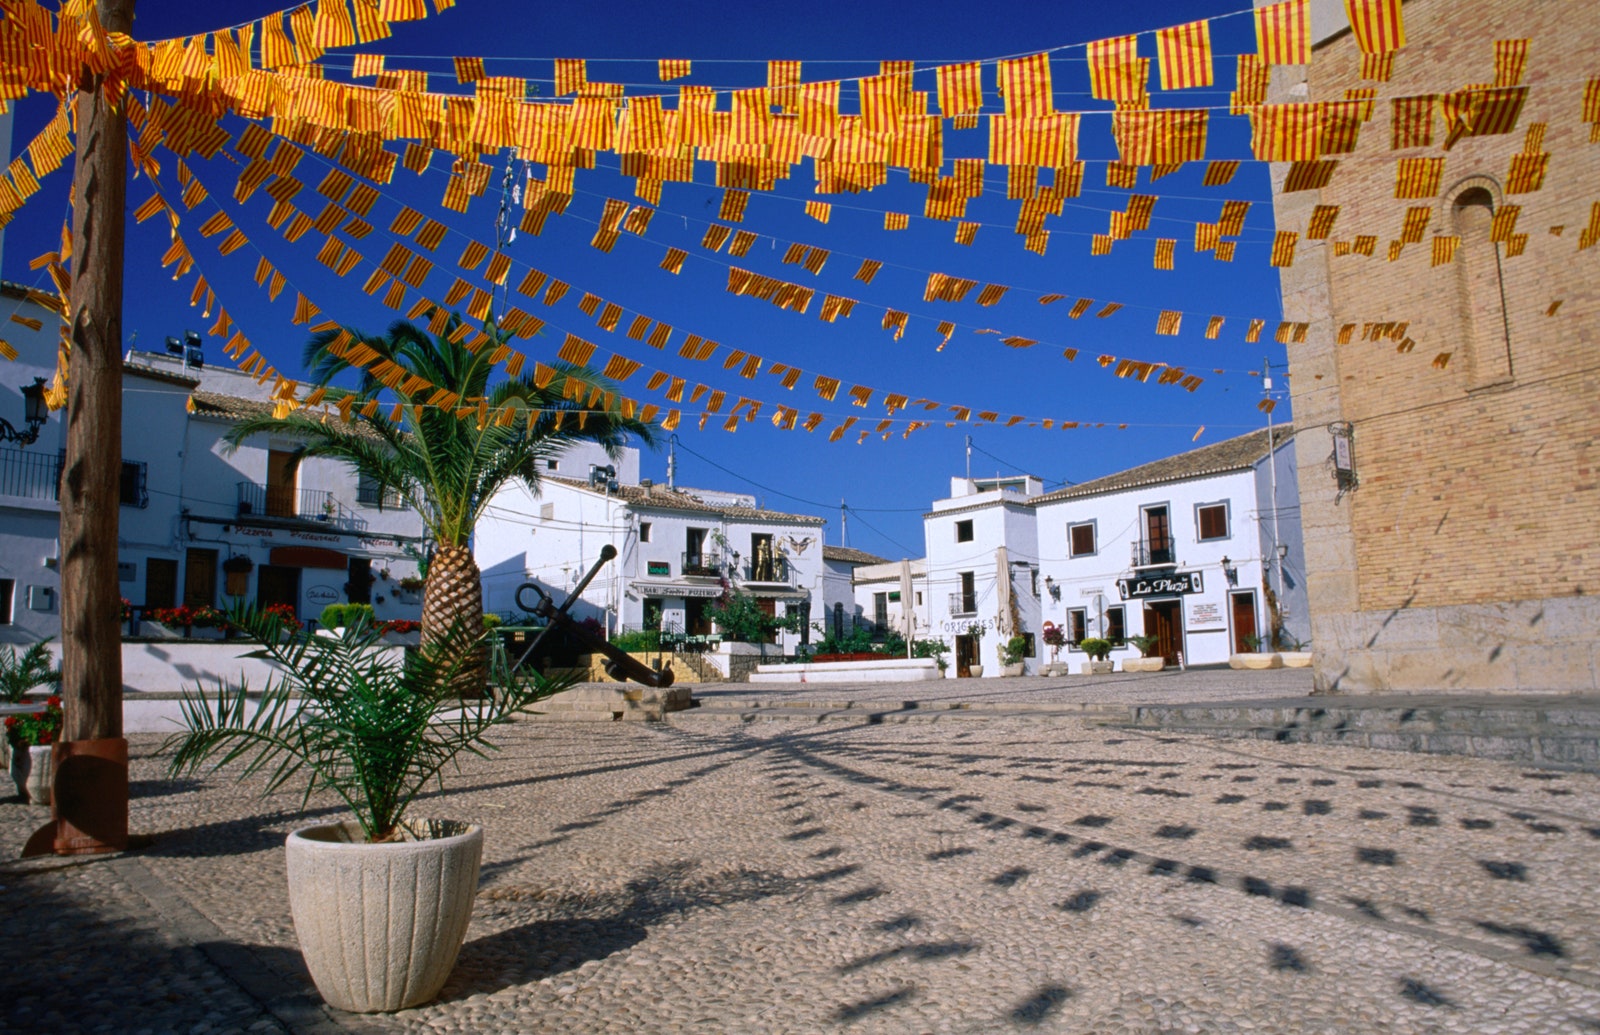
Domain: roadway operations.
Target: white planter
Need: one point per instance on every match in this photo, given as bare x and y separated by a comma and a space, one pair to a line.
380, 925
33, 770
1100, 668
1255, 661
1013, 670
976, 671
1143, 664
1295, 658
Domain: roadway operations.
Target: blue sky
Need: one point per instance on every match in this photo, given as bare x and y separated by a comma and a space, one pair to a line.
887, 484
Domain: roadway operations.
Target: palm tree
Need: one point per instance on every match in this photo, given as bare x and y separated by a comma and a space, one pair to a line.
447, 466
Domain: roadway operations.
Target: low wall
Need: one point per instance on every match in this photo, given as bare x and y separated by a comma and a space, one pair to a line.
892, 670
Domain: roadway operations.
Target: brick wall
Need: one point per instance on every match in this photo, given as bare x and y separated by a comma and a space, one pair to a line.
1475, 448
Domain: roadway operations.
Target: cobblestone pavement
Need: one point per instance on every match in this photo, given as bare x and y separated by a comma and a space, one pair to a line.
964, 875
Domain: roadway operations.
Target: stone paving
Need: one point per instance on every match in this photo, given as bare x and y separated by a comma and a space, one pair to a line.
968, 874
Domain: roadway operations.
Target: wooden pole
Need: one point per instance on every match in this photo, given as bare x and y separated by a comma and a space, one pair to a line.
91, 783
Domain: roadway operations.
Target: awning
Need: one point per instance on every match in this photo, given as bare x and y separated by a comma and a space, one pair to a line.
670, 589
307, 557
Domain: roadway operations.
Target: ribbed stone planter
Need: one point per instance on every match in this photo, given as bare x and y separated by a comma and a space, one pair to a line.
380, 925
1143, 664
32, 769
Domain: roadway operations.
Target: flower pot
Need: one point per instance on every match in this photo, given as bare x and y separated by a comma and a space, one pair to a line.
1012, 670
1143, 664
380, 925
976, 671
1255, 661
1295, 658
33, 770
1099, 668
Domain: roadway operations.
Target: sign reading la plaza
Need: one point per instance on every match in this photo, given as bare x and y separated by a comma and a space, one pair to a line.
1160, 585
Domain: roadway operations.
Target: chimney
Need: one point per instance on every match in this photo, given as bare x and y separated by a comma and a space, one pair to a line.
648, 486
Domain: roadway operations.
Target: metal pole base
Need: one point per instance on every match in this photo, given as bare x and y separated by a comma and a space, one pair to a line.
91, 796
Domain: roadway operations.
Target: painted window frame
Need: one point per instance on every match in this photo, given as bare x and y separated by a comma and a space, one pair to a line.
1227, 521
1093, 525
965, 526
644, 531
1077, 626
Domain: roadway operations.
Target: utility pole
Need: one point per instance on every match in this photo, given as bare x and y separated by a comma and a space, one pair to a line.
969, 458
91, 773
844, 529
1272, 481
672, 461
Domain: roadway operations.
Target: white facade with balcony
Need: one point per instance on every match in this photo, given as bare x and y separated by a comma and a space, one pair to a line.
678, 550
199, 524
1194, 550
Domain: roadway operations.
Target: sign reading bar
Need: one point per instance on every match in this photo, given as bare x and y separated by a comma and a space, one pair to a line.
1160, 585
658, 568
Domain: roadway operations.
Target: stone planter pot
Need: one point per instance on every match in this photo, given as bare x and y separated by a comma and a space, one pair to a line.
1099, 668
33, 771
1295, 658
976, 671
1255, 661
1144, 664
380, 925
1013, 670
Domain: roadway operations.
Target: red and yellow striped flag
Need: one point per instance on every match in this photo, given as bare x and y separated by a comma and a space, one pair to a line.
1214, 327
1220, 173
1309, 176
1283, 247
1224, 252
1231, 221
1444, 249
1165, 246
960, 89
1286, 132
1418, 177
1416, 222
1206, 237
668, 69
1504, 223
1115, 69
1527, 173
1184, 54
1411, 124
1283, 33
1377, 68
1170, 322
1321, 225
1250, 86
1025, 85
1122, 174
1378, 25
1510, 60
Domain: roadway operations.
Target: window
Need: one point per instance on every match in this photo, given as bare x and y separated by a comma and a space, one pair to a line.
644, 531
964, 531
969, 595
282, 467
1116, 629
880, 610
1157, 545
552, 465
8, 589
1480, 290
1077, 624
919, 598
1212, 520
547, 511
131, 490
1080, 539
369, 493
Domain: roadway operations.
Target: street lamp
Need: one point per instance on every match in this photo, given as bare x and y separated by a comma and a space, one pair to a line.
34, 412
1230, 571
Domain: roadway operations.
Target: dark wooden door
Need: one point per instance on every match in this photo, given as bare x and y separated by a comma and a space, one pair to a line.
1163, 619
160, 582
966, 655
1244, 620
200, 578
276, 584
1158, 533
281, 473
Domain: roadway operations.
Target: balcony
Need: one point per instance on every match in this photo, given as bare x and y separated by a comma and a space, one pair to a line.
29, 475
291, 504
1154, 555
702, 563
963, 604
368, 494
774, 572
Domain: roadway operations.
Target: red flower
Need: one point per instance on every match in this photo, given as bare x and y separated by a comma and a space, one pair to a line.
11, 722
53, 701
45, 737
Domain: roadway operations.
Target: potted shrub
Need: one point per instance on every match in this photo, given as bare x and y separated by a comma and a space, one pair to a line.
1099, 651
29, 738
381, 902
1257, 658
975, 630
1055, 637
1296, 653
1012, 652
1144, 662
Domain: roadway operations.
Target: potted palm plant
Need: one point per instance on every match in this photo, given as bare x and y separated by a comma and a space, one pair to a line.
1260, 655
380, 902
1144, 662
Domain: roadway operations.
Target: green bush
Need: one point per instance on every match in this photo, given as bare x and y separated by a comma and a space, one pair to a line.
1013, 650
1096, 648
24, 670
491, 622
336, 616
1146, 644
643, 641
741, 619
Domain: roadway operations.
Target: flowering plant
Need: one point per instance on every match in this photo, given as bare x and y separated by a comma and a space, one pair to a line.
37, 728
285, 615
399, 625
202, 617
127, 609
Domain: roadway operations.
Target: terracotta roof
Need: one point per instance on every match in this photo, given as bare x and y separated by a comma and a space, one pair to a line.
850, 556
1234, 454
663, 498
156, 374
237, 408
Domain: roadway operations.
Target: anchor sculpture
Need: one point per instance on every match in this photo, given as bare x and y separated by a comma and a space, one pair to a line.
618, 664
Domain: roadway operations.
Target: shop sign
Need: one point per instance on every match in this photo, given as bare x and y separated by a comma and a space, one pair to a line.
1160, 585
322, 595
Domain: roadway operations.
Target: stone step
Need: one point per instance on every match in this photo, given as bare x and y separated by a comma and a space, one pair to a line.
1557, 732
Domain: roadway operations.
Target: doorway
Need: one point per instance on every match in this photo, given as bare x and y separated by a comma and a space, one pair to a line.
276, 584
695, 622
966, 656
199, 578
281, 471
1163, 619
1244, 620
358, 588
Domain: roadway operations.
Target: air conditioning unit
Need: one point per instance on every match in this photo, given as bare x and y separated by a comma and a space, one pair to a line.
41, 598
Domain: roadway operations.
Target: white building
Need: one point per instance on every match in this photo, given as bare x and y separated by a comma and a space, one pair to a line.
982, 568
200, 523
892, 596
678, 550
1194, 550
841, 608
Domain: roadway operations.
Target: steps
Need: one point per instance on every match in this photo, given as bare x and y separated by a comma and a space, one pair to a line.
1551, 731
